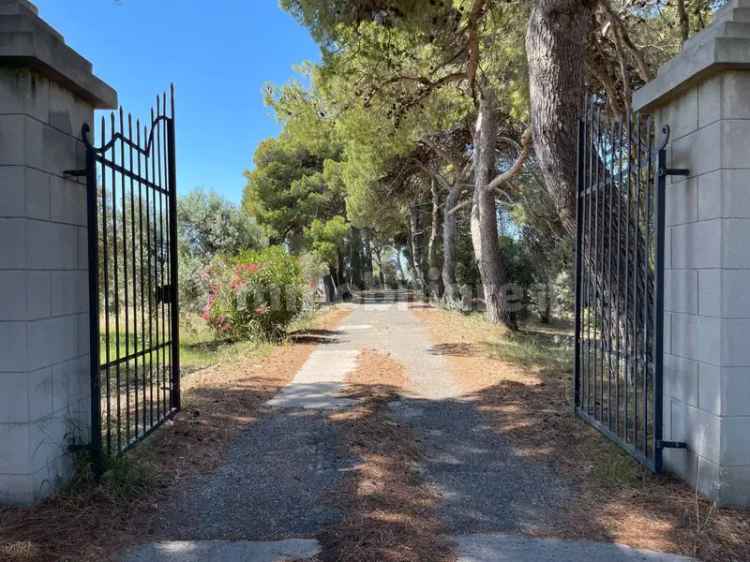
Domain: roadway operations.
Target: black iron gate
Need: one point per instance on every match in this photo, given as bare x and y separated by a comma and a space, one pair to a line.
620, 281
131, 198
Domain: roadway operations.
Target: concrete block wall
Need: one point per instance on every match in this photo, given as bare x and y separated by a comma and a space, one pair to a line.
705, 99
44, 335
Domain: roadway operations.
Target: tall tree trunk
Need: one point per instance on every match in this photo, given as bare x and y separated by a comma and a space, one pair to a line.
555, 47
451, 294
369, 269
484, 233
684, 20
546, 311
341, 269
330, 284
378, 252
416, 248
436, 288
399, 265
356, 257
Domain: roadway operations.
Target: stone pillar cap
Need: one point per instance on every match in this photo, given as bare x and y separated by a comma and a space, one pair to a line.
28, 41
723, 45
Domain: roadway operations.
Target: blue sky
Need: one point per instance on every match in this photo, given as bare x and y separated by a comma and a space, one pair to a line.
219, 54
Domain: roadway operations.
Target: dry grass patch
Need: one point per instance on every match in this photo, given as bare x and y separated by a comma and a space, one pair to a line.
522, 383
89, 521
390, 515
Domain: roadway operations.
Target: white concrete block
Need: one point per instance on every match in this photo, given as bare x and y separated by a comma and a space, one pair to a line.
13, 347
12, 192
709, 101
62, 109
700, 430
735, 247
668, 249
13, 253
734, 137
12, 140
735, 293
682, 202
52, 245
37, 194
61, 151
681, 379
710, 196
14, 448
683, 114
700, 151
681, 291
709, 292
40, 394
48, 440
51, 476
696, 245
39, 297
68, 201
83, 248
684, 333
724, 391
734, 441
16, 489
14, 404
12, 295
696, 470
69, 292
70, 385
52, 341
735, 193
736, 104
697, 337
34, 154
22, 91
735, 486
735, 350
83, 331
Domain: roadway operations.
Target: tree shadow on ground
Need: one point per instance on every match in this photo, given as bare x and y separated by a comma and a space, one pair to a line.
608, 496
315, 336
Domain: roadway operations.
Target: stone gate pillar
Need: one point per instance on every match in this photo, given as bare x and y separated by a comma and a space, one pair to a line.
47, 91
704, 95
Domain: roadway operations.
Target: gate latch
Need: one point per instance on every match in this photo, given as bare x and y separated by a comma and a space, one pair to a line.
164, 294
672, 445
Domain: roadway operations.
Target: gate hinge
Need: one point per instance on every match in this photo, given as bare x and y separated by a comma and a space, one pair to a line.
672, 445
75, 173
674, 172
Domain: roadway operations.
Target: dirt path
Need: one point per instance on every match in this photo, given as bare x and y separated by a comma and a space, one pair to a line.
281, 480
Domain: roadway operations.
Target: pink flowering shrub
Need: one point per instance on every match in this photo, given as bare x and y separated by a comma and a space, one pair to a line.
254, 296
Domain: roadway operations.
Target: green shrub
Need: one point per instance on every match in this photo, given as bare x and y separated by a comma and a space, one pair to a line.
254, 296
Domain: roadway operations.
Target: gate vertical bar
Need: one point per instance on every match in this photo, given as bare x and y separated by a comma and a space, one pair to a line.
579, 260
92, 217
175, 395
661, 187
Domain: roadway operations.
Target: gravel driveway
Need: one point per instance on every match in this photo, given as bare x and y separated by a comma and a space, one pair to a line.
274, 484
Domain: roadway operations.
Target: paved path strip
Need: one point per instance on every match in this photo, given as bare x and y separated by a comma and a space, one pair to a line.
320, 382
225, 551
516, 548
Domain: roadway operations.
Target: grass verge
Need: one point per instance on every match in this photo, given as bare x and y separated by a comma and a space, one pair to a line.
88, 521
522, 384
